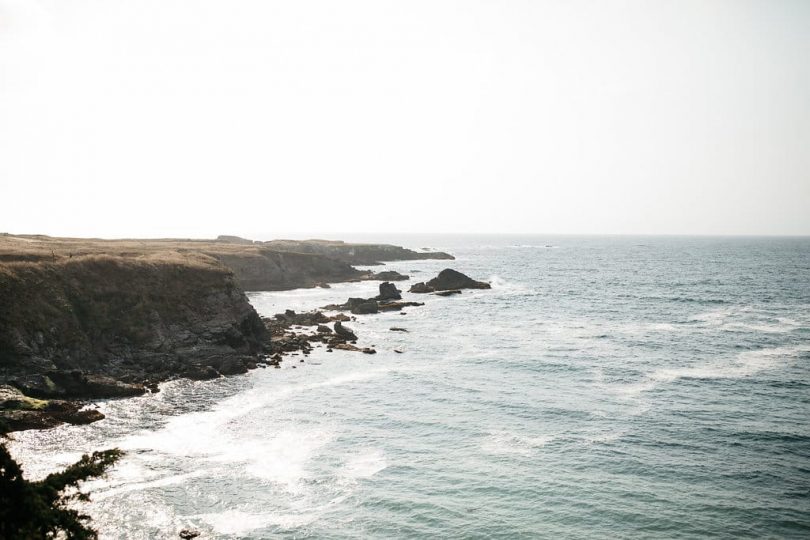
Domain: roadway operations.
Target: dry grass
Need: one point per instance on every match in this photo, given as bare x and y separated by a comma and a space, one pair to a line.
17, 251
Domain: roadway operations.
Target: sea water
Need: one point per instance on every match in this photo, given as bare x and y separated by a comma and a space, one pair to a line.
643, 387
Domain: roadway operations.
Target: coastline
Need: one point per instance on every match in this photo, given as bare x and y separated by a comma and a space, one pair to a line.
96, 319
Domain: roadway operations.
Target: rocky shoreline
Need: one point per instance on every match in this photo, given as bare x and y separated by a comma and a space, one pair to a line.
91, 326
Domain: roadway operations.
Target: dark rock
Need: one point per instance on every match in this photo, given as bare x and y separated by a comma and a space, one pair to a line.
24, 420
389, 291
188, 534
420, 287
397, 329
231, 366
80, 417
447, 293
344, 332
20, 412
201, 373
323, 329
366, 308
389, 275
449, 279
76, 384
396, 306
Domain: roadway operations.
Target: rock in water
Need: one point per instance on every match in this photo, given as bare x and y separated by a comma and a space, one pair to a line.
449, 279
366, 308
344, 332
389, 291
451, 292
420, 287
390, 275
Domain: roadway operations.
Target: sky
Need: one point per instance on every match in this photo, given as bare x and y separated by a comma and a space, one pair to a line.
159, 118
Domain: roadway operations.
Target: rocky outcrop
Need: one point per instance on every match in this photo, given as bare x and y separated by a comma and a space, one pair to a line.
420, 288
368, 306
270, 270
363, 254
389, 275
389, 291
344, 332
291, 338
451, 292
90, 325
20, 412
449, 279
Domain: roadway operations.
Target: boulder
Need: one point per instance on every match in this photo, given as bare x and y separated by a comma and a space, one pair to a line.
76, 384
344, 332
396, 306
390, 275
389, 291
201, 373
420, 287
366, 308
451, 292
449, 279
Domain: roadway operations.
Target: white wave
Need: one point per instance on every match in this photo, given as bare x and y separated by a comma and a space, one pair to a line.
506, 443
364, 465
99, 494
502, 285
283, 458
236, 522
744, 364
201, 433
746, 318
605, 438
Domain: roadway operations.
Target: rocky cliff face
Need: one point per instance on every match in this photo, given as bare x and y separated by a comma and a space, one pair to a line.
272, 270
132, 319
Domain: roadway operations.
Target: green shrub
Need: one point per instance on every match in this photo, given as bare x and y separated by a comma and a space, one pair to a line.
34, 510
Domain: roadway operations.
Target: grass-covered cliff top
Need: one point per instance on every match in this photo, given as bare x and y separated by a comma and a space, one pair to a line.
17, 248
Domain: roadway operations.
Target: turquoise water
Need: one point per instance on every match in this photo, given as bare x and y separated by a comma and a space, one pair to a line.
605, 387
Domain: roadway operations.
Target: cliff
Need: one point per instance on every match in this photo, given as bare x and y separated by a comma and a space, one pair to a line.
132, 319
261, 269
351, 253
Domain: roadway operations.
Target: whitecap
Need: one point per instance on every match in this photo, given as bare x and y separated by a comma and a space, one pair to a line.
745, 364
506, 443
365, 464
236, 522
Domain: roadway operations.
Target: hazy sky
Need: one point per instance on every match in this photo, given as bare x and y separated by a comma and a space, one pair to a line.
203, 117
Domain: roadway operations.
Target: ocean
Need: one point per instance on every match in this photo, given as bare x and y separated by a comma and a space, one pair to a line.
605, 387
